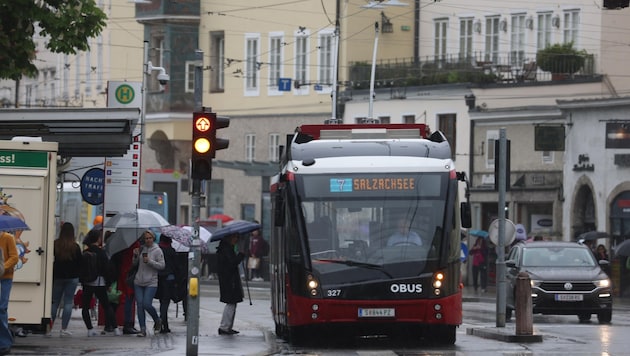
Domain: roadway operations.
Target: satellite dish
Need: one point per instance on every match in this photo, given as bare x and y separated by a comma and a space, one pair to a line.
510, 232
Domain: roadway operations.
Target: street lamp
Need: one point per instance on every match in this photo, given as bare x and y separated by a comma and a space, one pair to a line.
377, 4
162, 77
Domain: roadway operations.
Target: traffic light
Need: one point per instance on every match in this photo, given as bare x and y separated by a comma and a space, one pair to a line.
220, 122
202, 144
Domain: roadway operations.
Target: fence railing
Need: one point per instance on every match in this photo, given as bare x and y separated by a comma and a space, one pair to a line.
517, 67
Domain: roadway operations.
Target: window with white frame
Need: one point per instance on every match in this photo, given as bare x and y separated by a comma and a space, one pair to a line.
517, 42
252, 43
217, 61
88, 74
301, 58
77, 78
491, 137
274, 147
156, 56
53, 87
439, 37
571, 25
544, 30
275, 60
189, 76
409, 119
325, 54
250, 147
492, 39
66, 77
465, 38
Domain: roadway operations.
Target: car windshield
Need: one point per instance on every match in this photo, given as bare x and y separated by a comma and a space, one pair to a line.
558, 257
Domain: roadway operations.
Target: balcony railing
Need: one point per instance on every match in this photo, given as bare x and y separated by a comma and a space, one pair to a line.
479, 68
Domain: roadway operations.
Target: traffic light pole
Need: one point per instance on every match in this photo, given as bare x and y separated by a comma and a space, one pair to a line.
194, 256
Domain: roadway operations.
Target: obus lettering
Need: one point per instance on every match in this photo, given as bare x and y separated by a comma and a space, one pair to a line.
406, 288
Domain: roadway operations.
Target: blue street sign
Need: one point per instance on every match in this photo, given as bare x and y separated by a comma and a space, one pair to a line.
92, 186
284, 84
317, 87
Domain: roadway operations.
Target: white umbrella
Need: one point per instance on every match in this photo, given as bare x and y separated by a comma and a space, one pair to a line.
137, 219
129, 226
204, 234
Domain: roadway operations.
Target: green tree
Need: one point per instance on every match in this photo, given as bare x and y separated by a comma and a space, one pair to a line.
66, 25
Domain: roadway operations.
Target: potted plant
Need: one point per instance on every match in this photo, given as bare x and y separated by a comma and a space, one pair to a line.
561, 59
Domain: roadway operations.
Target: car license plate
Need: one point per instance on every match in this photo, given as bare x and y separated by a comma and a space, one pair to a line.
377, 312
569, 297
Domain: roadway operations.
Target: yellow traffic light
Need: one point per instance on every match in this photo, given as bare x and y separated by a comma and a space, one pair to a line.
202, 145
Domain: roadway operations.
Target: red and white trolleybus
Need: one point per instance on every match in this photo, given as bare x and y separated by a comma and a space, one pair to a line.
366, 233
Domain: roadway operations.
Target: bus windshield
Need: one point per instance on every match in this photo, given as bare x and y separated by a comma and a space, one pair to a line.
389, 224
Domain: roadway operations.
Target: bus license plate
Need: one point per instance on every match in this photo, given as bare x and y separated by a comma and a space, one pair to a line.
377, 312
569, 297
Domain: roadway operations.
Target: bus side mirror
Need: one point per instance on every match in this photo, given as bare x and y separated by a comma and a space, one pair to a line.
465, 215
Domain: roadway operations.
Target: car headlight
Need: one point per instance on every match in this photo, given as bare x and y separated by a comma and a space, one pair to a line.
534, 282
602, 283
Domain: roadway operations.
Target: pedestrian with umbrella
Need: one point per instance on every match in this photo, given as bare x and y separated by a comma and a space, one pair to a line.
10, 255
230, 287
149, 260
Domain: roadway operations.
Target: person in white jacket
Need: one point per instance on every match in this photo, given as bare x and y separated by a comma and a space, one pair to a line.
150, 260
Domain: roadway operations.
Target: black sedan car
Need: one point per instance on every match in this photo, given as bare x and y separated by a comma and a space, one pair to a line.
566, 279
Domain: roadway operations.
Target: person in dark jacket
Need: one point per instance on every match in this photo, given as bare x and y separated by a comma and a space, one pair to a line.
98, 287
166, 280
230, 288
66, 268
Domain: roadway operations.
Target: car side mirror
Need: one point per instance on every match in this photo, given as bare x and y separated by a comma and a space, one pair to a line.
510, 263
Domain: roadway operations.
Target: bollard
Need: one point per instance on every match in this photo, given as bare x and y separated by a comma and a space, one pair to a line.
524, 310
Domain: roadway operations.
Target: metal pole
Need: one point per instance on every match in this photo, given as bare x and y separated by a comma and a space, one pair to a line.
192, 332
371, 107
335, 71
194, 257
501, 300
145, 72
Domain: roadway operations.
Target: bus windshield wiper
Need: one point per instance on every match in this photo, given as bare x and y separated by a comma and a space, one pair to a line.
352, 263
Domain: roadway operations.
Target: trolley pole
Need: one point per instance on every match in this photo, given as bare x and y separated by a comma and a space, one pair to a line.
194, 256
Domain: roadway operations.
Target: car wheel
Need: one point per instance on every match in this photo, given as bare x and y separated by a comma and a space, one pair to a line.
508, 314
584, 317
604, 317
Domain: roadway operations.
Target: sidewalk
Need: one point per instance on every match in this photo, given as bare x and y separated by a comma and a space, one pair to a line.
251, 340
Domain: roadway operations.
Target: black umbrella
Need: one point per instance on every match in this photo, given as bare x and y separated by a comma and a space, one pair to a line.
592, 236
234, 227
623, 249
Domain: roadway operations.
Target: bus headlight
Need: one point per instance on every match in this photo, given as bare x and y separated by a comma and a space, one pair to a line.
312, 285
438, 281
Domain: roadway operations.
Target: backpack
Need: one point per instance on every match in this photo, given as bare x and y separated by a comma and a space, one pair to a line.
89, 267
